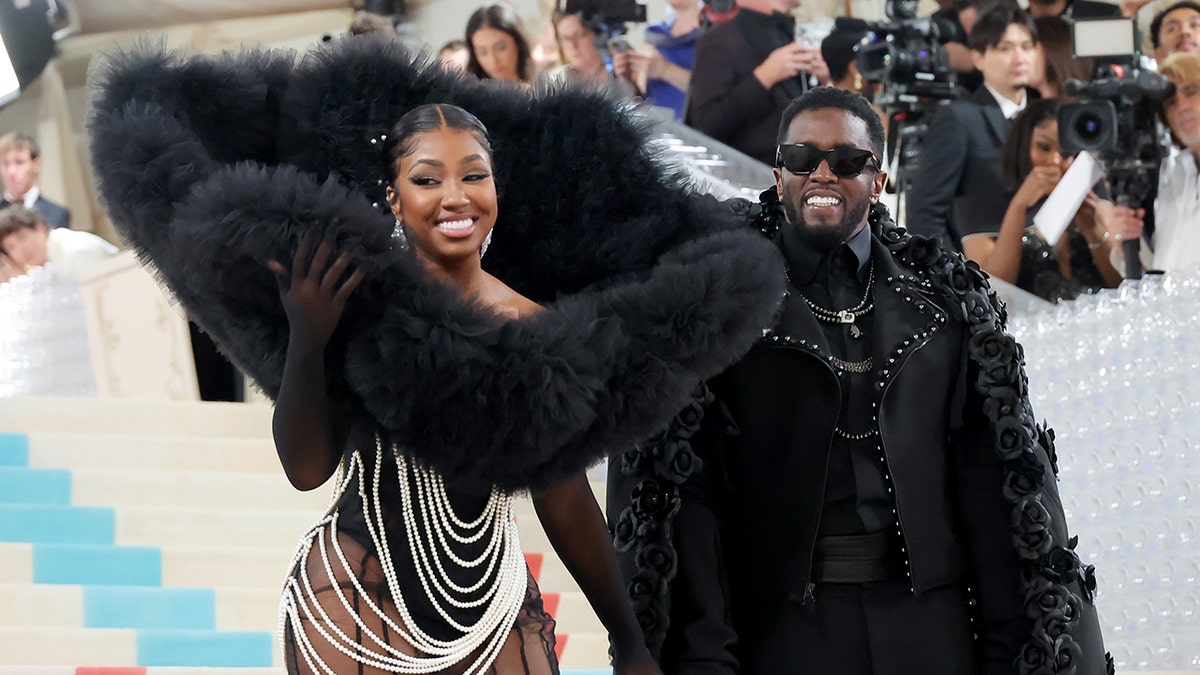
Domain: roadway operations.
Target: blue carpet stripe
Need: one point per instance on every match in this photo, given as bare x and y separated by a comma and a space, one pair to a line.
14, 450
211, 649
55, 524
97, 565
149, 607
22, 485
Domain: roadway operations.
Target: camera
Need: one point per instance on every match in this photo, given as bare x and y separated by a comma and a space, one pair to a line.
607, 19
603, 15
1114, 119
906, 54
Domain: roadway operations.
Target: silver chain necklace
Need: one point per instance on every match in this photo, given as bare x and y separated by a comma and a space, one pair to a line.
855, 367
846, 316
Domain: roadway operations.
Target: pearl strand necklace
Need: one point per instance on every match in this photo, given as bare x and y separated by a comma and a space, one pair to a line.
506, 593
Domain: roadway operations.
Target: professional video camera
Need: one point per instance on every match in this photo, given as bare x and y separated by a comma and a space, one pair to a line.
1115, 118
607, 19
906, 56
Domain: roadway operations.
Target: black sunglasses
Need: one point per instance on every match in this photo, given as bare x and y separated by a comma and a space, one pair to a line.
802, 159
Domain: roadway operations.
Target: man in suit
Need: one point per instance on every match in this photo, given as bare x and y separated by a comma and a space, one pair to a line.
872, 495
958, 176
20, 164
745, 72
1075, 9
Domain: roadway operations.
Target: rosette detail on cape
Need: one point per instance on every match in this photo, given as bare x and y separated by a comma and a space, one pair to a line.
211, 166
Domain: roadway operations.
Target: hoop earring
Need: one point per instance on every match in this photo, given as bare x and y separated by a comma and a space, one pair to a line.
399, 236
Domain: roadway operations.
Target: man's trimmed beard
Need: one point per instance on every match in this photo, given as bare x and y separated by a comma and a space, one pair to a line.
826, 237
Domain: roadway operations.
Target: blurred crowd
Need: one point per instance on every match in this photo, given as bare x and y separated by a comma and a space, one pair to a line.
983, 174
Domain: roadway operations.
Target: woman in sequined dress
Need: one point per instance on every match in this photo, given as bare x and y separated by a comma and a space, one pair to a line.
1078, 262
406, 572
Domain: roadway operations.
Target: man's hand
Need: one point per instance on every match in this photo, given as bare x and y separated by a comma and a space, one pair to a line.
787, 62
633, 66
1123, 223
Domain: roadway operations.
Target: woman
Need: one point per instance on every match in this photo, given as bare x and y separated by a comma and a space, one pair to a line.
497, 46
1018, 254
671, 47
444, 200
433, 390
1056, 58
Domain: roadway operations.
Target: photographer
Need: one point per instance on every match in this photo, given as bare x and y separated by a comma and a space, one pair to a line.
1175, 242
746, 72
959, 175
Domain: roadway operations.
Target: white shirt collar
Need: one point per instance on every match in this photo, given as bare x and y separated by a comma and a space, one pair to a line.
1007, 107
30, 198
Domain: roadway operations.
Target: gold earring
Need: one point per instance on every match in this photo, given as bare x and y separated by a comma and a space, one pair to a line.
858, 82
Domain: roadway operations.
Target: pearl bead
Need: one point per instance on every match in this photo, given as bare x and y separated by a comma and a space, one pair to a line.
431, 524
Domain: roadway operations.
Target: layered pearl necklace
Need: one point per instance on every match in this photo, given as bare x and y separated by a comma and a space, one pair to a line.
430, 540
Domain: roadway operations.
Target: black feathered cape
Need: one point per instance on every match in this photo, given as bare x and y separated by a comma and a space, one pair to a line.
212, 165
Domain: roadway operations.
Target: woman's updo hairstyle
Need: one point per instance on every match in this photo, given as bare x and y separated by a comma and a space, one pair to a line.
426, 118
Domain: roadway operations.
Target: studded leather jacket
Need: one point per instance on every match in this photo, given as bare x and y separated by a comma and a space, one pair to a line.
976, 505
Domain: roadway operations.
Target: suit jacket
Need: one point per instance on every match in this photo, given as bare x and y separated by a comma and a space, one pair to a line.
53, 214
748, 520
726, 101
958, 178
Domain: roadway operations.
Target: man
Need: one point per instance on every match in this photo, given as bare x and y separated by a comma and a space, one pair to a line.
584, 61
746, 71
1075, 9
959, 173
27, 243
21, 162
1175, 241
1176, 29
872, 496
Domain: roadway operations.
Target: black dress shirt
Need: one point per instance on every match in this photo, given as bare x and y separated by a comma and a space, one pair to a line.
856, 500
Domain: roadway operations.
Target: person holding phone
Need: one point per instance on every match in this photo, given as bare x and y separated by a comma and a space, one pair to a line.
746, 72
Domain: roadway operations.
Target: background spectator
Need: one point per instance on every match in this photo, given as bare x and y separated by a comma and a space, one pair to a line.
839, 49
455, 54
369, 23
1074, 9
959, 174
1056, 58
26, 242
958, 20
746, 72
581, 52
669, 51
577, 42
1176, 29
1175, 241
21, 163
1078, 262
497, 45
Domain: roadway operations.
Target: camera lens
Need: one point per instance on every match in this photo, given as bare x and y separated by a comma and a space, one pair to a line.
1089, 126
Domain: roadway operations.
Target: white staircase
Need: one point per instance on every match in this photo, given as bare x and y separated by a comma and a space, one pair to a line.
152, 537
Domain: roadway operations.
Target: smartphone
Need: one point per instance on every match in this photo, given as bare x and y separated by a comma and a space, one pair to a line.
618, 43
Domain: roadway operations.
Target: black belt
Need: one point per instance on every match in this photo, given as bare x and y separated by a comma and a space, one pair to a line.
858, 558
